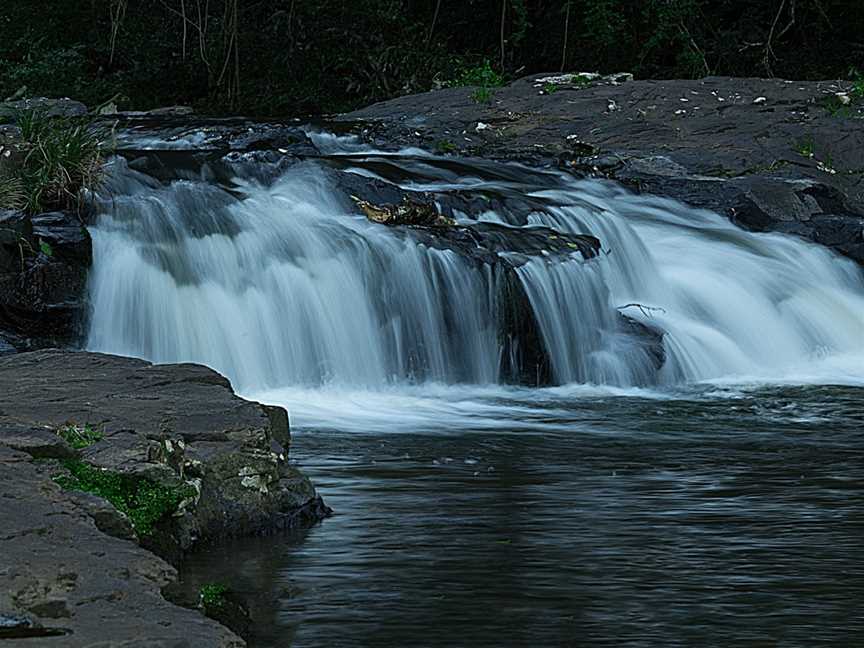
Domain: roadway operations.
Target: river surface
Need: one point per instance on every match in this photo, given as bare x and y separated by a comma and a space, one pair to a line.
717, 516
715, 500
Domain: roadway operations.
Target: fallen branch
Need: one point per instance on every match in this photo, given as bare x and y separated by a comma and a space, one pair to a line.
646, 310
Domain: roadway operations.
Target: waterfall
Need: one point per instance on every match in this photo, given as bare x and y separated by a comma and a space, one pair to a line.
282, 287
731, 303
282, 283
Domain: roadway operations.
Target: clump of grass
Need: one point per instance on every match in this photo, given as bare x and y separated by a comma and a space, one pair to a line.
857, 90
482, 75
12, 195
580, 80
550, 88
806, 147
837, 108
79, 436
482, 95
143, 501
51, 164
212, 595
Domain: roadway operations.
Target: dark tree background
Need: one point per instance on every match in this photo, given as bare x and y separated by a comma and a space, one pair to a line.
268, 57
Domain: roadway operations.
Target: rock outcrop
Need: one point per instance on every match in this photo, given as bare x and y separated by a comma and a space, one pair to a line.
78, 565
66, 583
492, 248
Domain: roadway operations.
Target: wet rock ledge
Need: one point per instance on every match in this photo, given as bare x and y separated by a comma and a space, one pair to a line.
173, 447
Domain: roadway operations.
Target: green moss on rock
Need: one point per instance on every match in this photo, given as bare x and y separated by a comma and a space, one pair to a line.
141, 500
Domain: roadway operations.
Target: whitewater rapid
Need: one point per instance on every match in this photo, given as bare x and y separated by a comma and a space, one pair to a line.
287, 290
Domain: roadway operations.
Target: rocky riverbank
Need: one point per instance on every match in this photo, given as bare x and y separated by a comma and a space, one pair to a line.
171, 459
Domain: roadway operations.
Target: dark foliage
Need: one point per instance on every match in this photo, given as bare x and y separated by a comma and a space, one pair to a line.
313, 56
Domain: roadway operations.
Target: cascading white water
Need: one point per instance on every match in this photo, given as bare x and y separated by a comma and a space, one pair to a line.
732, 303
284, 287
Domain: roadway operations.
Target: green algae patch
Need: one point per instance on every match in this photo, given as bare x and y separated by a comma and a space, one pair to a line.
141, 500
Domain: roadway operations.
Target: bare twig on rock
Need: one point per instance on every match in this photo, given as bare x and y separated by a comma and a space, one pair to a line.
646, 310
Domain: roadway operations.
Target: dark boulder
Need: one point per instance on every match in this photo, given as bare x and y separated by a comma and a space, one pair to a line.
648, 338
496, 244
44, 261
66, 236
16, 240
812, 210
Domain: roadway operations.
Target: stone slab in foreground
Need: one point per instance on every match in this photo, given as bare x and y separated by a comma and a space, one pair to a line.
70, 560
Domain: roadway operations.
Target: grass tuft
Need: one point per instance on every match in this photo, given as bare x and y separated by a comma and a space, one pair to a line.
12, 195
482, 95
482, 75
857, 90
445, 146
484, 79
806, 147
54, 161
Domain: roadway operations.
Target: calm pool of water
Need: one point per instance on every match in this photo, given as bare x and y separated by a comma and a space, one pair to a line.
724, 516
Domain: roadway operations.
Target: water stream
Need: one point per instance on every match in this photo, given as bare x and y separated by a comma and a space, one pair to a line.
718, 497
